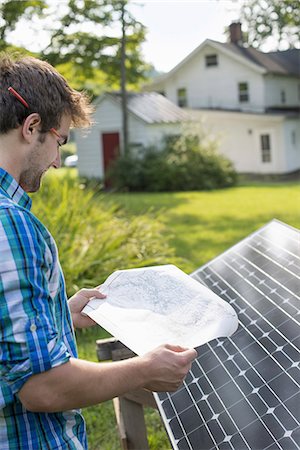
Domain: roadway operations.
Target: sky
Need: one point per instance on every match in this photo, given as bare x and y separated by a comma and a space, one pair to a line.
175, 27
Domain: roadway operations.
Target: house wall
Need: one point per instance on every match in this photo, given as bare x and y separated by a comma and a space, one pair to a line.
89, 145
291, 133
239, 139
215, 86
155, 133
108, 119
275, 84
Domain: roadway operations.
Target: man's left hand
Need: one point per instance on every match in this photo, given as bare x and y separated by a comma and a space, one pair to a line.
78, 302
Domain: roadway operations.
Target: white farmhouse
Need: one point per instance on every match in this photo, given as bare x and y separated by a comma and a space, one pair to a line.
249, 99
151, 117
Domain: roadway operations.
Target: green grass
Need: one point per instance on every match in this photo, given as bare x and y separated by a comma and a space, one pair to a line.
204, 224
201, 226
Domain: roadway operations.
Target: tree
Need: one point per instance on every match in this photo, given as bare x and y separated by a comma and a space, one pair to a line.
276, 19
86, 39
123, 81
101, 46
11, 11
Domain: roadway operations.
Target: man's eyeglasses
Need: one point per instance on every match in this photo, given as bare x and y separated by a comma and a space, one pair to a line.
61, 140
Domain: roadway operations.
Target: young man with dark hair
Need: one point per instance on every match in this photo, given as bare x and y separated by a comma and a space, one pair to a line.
43, 383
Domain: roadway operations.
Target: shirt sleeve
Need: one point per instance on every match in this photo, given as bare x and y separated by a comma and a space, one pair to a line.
30, 340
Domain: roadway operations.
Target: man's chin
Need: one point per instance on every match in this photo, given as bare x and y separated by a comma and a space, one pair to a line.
33, 186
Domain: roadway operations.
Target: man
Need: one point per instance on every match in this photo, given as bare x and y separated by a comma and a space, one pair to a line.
43, 383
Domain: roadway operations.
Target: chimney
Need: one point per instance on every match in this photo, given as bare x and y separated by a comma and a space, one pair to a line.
235, 30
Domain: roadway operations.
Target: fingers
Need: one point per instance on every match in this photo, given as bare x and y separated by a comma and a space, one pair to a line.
176, 348
189, 353
88, 293
168, 366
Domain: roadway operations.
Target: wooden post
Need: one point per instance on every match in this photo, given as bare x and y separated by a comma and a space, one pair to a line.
129, 408
131, 424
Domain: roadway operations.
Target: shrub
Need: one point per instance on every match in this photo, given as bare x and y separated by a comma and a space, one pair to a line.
184, 163
95, 239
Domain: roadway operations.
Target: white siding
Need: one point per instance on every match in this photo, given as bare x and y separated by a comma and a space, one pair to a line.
275, 84
215, 86
292, 144
239, 139
155, 133
108, 119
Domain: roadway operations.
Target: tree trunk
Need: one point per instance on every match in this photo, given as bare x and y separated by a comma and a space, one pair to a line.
123, 82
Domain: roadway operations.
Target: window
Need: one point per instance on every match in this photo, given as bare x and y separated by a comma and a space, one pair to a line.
293, 138
181, 97
265, 145
282, 96
211, 60
243, 92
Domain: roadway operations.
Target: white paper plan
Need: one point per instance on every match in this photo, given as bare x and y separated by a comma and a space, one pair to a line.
150, 306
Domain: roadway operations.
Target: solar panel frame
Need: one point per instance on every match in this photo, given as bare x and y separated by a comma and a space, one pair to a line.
258, 406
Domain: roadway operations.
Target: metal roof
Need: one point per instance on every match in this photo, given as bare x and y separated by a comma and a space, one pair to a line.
152, 107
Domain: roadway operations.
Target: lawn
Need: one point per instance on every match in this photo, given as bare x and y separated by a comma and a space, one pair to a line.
200, 225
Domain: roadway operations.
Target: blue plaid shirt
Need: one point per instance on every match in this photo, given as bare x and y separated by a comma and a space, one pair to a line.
36, 331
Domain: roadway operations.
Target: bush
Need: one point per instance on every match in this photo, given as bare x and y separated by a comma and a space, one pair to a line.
184, 164
95, 239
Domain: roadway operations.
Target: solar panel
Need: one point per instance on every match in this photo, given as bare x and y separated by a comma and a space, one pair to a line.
243, 392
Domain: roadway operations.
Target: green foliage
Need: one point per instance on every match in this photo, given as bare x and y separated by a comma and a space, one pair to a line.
91, 51
85, 40
279, 19
184, 163
95, 239
11, 11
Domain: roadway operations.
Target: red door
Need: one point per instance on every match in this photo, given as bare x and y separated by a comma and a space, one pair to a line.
110, 145
111, 150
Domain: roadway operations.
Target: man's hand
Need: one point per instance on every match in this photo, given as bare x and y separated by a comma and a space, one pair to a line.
167, 366
78, 302
78, 383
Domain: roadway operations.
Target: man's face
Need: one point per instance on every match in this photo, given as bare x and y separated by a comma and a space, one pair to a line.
44, 154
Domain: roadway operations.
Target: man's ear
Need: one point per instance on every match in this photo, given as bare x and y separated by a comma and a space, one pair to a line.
31, 127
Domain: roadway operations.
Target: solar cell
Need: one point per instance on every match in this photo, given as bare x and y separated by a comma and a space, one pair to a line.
243, 392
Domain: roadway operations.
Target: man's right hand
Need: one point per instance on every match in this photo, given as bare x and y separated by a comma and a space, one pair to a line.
78, 383
166, 367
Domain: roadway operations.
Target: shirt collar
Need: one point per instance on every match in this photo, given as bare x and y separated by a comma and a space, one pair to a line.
11, 189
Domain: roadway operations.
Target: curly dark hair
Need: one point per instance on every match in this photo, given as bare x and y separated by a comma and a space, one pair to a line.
44, 89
